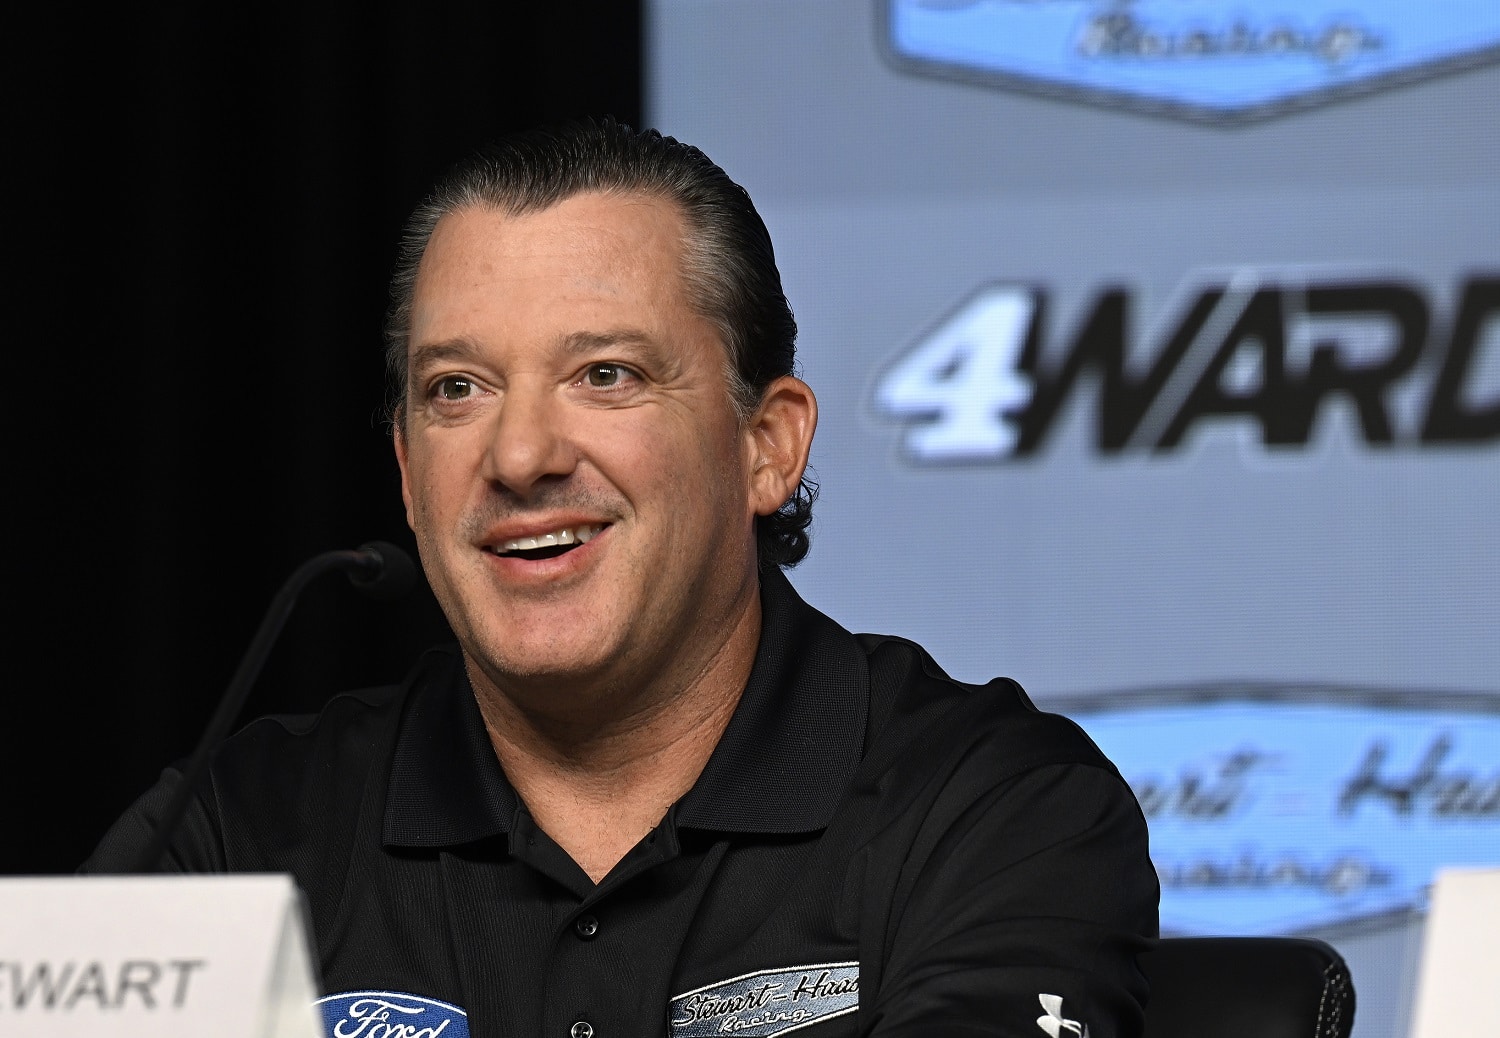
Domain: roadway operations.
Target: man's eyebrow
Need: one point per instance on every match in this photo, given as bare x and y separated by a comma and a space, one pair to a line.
431, 353
588, 342
447, 351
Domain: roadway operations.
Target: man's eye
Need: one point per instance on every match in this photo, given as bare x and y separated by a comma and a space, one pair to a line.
603, 376
453, 388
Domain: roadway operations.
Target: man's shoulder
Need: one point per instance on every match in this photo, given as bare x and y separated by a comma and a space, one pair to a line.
298, 792
918, 712
301, 753
338, 725
948, 760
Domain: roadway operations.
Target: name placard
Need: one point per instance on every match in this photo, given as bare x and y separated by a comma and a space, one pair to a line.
1457, 994
157, 956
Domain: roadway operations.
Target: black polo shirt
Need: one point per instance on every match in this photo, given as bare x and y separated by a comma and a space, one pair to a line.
872, 848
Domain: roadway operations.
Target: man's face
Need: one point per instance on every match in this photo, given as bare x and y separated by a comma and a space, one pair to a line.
578, 481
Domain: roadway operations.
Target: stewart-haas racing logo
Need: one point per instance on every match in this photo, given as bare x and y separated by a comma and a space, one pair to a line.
1280, 809
1266, 348
390, 1014
767, 1002
1220, 63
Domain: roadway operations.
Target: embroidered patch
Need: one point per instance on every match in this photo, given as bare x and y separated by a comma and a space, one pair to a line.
757, 1005
390, 1014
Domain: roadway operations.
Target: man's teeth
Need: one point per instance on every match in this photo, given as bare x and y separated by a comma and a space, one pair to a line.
570, 535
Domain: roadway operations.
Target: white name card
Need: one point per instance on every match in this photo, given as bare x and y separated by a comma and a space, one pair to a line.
157, 956
1458, 981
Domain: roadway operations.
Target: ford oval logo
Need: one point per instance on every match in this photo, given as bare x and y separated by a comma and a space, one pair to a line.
1213, 62
390, 1014
1275, 809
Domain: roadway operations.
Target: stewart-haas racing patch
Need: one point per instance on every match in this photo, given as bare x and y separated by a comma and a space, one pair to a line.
767, 1002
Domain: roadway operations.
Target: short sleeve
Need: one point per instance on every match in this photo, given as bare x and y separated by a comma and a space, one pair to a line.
1024, 913
196, 845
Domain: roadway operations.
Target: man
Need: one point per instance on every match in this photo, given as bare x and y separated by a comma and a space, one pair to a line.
652, 791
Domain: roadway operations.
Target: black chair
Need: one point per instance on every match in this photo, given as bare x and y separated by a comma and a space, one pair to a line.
1247, 987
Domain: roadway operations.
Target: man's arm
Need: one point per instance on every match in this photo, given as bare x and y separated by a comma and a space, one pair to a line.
1022, 912
195, 847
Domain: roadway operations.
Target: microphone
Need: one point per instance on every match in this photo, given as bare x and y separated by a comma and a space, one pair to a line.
378, 568
381, 570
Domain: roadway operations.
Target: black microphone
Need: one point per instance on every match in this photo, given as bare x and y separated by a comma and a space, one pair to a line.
379, 569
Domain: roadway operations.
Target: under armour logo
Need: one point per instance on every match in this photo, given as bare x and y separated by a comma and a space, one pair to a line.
1054, 1023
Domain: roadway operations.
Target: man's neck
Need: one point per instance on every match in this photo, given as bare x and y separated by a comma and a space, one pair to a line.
599, 780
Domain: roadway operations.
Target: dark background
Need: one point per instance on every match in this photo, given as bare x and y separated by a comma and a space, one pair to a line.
204, 207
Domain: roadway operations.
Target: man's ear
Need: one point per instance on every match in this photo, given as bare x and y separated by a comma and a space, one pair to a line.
398, 438
779, 437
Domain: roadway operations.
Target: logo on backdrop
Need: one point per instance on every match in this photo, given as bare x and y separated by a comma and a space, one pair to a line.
390, 1014
767, 1002
1286, 808
1208, 62
1262, 346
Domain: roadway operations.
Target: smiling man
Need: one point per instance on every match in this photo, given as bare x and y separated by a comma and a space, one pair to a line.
584, 494
650, 791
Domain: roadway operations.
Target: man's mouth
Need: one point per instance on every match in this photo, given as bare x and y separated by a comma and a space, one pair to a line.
547, 545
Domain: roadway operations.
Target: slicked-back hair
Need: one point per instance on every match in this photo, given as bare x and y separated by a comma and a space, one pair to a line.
729, 266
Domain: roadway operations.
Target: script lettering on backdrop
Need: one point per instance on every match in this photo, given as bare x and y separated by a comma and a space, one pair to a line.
1288, 808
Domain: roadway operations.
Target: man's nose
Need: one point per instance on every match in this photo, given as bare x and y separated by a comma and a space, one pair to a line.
530, 441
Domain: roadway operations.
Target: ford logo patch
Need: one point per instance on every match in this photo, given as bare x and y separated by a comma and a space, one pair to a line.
390, 1014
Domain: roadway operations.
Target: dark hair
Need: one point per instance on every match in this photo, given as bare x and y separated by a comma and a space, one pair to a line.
729, 264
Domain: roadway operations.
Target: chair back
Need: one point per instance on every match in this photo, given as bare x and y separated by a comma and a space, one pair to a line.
1247, 987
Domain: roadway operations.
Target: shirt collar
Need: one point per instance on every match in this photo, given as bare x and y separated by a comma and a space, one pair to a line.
798, 733
781, 766
446, 785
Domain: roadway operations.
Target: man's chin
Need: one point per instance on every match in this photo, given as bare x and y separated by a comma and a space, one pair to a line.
553, 671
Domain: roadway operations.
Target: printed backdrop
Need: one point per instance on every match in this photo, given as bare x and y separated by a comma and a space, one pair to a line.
1158, 349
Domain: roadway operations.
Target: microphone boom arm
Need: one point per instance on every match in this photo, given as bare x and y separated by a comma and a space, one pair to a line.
381, 569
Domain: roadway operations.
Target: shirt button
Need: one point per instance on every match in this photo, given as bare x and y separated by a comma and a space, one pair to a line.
586, 927
582, 1029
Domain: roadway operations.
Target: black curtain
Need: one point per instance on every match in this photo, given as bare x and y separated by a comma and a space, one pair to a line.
205, 203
